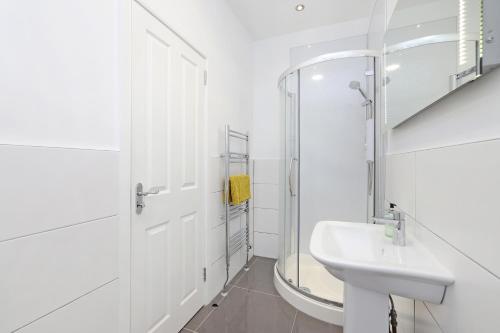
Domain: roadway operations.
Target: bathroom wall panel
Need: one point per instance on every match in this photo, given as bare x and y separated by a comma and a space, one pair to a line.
424, 323
266, 172
400, 181
267, 220
215, 208
61, 87
457, 198
96, 312
266, 245
266, 196
405, 308
217, 273
252, 227
472, 302
49, 188
215, 174
217, 244
43, 272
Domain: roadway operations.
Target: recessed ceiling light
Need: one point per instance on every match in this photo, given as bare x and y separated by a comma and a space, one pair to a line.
317, 77
300, 7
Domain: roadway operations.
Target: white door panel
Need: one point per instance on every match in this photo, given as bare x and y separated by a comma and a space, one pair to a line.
167, 113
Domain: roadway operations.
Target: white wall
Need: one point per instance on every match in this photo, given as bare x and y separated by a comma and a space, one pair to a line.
59, 141
442, 170
266, 205
63, 89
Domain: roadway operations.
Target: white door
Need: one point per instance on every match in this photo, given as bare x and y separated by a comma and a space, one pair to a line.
167, 154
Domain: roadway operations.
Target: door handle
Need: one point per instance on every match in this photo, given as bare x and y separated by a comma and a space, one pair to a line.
140, 194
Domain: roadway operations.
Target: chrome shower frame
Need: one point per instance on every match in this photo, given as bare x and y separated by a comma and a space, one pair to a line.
371, 109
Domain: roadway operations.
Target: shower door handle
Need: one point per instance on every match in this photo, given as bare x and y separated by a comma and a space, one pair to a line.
290, 167
370, 177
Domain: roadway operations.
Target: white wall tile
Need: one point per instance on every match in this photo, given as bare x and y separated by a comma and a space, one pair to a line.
215, 209
265, 196
45, 271
48, 188
96, 312
471, 304
400, 181
424, 323
217, 243
59, 89
266, 220
217, 272
266, 245
405, 309
457, 197
252, 229
215, 174
216, 275
266, 171
217, 238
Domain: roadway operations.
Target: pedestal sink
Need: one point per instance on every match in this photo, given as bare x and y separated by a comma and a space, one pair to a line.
372, 267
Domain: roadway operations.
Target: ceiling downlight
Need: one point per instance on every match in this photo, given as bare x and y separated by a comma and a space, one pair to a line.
300, 7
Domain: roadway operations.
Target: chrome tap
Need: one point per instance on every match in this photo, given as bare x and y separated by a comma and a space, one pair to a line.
399, 222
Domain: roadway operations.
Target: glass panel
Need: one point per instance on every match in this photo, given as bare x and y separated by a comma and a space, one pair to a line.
333, 159
288, 167
326, 161
282, 255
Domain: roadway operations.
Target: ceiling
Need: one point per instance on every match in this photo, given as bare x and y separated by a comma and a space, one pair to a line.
268, 18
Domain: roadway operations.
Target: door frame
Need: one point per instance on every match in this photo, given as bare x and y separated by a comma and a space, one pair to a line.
125, 186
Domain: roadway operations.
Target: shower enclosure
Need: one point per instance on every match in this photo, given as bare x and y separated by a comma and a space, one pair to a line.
327, 165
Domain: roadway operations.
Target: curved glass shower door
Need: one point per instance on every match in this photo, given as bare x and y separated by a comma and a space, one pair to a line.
289, 178
326, 162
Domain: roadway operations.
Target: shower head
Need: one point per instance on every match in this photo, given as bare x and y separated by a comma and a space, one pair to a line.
355, 85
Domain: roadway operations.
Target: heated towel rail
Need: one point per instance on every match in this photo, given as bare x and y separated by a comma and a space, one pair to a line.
240, 238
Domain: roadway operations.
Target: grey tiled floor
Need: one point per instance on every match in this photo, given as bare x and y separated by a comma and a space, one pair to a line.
254, 306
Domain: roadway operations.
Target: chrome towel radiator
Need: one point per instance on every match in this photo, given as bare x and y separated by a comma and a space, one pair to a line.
240, 238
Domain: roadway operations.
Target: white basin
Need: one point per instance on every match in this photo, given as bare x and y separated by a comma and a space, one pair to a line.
372, 267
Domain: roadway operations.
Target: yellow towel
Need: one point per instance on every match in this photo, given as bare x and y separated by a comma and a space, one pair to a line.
239, 189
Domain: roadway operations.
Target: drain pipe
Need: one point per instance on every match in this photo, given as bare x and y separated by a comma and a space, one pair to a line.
393, 315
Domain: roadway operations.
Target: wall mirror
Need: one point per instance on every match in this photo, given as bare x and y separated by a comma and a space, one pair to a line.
433, 47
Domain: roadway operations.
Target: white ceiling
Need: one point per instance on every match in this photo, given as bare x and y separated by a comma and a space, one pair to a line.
267, 18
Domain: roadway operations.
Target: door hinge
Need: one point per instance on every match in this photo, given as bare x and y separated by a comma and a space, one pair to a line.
205, 77
204, 274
